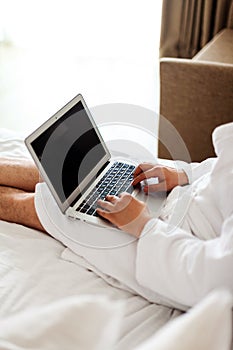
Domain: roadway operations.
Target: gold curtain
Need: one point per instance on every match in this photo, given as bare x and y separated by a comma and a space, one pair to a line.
187, 25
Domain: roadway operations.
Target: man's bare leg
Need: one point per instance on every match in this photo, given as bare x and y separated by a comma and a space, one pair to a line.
18, 206
19, 173
18, 178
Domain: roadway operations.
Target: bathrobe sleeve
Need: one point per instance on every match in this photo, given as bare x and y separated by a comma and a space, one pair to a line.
195, 170
182, 267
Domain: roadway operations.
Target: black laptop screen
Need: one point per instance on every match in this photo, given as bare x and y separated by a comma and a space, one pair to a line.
68, 150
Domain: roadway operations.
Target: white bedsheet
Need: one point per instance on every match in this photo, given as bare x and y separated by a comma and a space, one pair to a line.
33, 272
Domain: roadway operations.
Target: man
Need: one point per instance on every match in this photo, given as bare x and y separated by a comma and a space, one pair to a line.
180, 262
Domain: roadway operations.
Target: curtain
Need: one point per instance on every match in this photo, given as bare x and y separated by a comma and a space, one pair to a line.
187, 25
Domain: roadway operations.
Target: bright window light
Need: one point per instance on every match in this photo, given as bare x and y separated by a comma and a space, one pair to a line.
122, 28
51, 50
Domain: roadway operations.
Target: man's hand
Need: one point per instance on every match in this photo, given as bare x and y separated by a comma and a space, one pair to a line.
168, 178
126, 212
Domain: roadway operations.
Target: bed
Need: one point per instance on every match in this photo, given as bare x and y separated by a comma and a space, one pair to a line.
50, 301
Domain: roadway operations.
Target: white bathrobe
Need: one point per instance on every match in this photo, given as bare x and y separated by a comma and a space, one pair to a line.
181, 256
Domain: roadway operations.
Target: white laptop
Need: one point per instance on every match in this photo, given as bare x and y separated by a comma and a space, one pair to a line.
76, 164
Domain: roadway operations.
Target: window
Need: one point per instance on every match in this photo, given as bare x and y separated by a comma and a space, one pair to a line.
52, 50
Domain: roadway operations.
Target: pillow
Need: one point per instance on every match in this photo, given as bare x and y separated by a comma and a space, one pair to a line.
73, 323
208, 325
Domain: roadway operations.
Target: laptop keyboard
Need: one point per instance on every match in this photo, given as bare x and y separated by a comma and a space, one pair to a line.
116, 180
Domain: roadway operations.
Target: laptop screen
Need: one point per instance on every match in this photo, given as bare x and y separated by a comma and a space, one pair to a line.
69, 150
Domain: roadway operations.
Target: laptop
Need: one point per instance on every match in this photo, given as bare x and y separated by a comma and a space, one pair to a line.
75, 162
